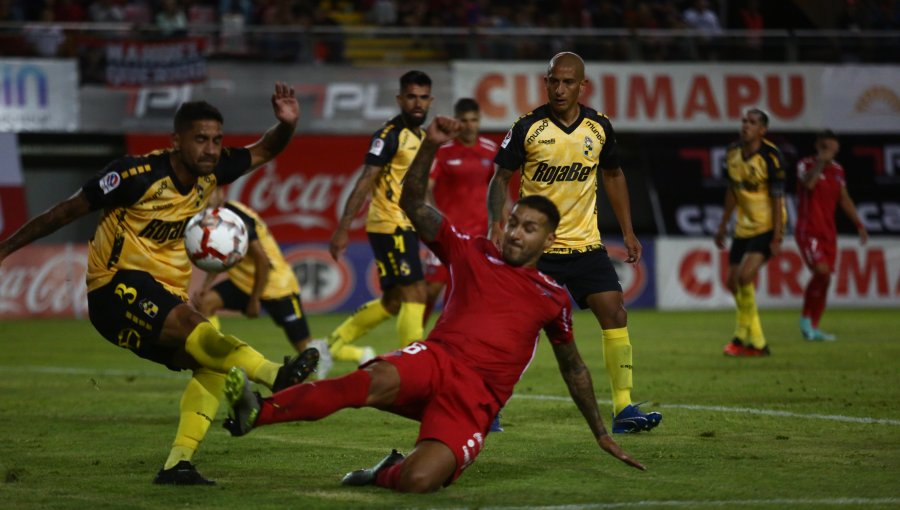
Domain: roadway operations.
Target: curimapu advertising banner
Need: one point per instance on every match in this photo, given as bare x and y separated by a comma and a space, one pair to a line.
691, 275
642, 97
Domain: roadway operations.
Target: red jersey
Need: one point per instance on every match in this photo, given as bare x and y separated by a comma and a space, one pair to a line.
495, 312
815, 207
461, 176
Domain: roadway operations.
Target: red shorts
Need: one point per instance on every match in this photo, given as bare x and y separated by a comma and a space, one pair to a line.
447, 397
816, 249
434, 270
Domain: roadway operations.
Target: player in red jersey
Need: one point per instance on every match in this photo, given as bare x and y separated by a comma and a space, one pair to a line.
821, 187
455, 381
457, 187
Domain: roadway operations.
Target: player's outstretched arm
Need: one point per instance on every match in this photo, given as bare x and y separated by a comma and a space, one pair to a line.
426, 219
497, 191
617, 192
287, 111
361, 192
46, 223
727, 211
849, 209
578, 379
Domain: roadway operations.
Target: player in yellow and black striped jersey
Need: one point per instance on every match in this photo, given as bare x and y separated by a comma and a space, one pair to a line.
394, 242
562, 148
138, 269
756, 173
262, 279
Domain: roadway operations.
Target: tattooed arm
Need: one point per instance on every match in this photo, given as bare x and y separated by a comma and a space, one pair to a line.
426, 219
578, 379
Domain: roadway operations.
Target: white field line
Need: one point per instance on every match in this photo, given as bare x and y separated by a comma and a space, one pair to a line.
163, 374
740, 410
771, 503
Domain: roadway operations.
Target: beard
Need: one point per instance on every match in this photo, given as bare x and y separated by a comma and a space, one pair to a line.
413, 121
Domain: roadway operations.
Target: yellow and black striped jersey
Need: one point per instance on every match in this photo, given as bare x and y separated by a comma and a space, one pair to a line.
393, 148
282, 280
145, 211
561, 163
755, 181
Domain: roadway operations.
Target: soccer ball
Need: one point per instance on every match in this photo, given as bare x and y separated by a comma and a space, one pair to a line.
215, 239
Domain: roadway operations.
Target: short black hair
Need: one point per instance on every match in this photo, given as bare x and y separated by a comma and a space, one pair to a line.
192, 111
414, 78
543, 205
464, 105
826, 134
763, 116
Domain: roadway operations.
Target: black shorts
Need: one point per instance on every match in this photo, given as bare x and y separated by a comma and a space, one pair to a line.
583, 274
287, 312
759, 244
397, 256
130, 311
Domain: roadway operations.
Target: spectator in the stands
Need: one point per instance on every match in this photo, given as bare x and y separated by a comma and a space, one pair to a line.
171, 19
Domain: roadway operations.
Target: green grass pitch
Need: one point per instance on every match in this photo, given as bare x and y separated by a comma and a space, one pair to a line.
86, 425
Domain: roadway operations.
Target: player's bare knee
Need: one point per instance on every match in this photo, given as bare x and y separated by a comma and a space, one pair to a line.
418, 480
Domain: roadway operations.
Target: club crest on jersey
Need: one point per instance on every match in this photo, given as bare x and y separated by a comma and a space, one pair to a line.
110, 182
588, 147
149, 308
377, 147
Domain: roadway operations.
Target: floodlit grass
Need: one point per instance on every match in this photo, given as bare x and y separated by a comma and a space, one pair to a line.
87, 425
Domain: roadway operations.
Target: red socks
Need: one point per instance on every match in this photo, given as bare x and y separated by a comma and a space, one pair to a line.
316, 400
389, 478
815, 297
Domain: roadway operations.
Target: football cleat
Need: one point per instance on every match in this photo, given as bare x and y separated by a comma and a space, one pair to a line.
495, 426
734, 348
183, 473
631, 419
243, 403
325, 360
806, 328
367, 476
295, 370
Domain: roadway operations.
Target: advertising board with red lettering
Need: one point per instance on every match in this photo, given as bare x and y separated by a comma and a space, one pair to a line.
692, 275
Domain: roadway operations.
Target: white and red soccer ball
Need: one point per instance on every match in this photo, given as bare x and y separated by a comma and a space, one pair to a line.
216, 239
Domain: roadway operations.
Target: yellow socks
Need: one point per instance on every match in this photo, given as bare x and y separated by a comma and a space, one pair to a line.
199, 404
617, 356
219, 352
754, 328
214, 320
361, 322
409, 323
742, 313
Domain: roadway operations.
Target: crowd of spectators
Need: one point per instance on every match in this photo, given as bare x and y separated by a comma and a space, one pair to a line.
703, 19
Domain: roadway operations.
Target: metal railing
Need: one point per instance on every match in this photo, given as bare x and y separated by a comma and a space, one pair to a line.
373, 45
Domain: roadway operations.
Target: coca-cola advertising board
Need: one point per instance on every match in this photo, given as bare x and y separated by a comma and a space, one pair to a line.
301, 194
44, 281
691, 275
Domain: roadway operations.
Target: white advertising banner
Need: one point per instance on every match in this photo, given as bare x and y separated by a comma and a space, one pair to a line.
657, 97
38, 95
333, 99
862, 99
690, 274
